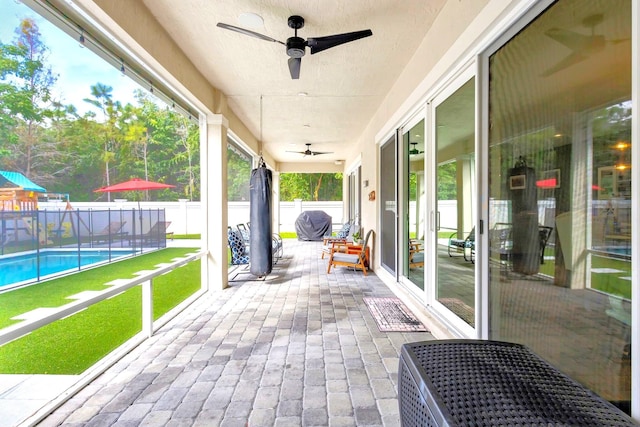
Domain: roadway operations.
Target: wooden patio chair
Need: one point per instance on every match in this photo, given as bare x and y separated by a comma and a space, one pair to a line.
340, 256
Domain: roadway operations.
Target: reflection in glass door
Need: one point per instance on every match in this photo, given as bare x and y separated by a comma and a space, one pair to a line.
455, 202
413, 190
559, 200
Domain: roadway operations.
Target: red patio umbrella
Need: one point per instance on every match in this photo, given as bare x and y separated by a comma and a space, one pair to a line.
135, 184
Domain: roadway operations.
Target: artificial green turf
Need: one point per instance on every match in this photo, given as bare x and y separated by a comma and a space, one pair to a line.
186, 236
72, 345
54, 293
612, 284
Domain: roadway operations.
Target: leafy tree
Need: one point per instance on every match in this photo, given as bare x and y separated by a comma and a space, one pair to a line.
311, 186
447, 181
25, 100
238, 175
53, 145
102, 98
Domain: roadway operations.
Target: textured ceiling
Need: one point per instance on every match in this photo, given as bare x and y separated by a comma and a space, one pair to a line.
344, 85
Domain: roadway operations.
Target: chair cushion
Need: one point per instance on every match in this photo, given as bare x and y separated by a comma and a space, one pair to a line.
236, 244
344, 231
346, 258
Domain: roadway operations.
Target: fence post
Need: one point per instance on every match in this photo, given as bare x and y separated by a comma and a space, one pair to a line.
147, 308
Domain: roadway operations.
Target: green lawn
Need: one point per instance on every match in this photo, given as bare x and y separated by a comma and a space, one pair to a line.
609, 283
73, 344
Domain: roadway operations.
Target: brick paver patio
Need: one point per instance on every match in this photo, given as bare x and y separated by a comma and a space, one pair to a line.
299, 349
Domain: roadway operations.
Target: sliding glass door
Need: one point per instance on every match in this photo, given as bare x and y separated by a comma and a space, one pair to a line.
455, 200
413, 201
388, 205
559, 191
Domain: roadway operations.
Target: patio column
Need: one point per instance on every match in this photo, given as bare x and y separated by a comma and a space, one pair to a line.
213, 169
466, 193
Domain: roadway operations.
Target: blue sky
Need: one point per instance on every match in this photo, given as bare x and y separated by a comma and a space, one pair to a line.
77, 68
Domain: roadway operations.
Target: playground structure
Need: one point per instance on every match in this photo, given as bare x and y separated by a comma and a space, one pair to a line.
18, 193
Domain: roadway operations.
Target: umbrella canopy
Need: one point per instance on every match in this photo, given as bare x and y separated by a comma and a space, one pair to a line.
135, 184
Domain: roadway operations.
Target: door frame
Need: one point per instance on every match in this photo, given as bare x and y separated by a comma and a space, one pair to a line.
448, 88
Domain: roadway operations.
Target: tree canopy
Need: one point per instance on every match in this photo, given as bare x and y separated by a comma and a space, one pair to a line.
56, 147
65, 151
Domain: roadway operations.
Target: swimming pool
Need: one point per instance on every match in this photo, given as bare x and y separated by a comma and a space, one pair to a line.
23, 268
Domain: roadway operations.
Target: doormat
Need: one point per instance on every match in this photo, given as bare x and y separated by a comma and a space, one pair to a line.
391, 315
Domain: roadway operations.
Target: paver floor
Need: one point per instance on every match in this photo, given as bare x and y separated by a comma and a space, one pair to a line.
299, 349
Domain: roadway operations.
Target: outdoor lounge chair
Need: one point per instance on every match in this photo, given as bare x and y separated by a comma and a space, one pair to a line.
457, 247
340, 256
113, 231
157, 233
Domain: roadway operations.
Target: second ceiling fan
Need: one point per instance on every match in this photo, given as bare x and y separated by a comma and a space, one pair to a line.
308, 151
296, 46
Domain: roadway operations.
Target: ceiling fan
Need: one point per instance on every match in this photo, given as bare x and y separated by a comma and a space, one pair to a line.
308, 151
414, 149
296, 45
582, 45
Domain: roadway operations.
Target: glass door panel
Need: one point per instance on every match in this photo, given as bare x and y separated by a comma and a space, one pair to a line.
560, 193
414, 185
455, 202
388, 209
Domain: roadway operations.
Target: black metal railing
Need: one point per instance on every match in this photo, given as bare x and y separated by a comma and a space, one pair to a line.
41, 243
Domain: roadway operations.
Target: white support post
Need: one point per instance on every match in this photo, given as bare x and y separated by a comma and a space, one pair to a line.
215, 201
276, 202
147, 308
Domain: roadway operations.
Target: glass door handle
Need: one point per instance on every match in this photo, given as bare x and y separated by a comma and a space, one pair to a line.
434, 225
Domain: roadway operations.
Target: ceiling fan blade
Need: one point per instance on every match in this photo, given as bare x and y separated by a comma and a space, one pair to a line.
572, 40
248, 32
294, 67
570, 60
318, 44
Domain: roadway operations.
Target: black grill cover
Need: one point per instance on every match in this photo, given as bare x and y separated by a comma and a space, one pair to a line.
313, 225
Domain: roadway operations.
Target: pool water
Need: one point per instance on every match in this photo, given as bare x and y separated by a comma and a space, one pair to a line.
24, 268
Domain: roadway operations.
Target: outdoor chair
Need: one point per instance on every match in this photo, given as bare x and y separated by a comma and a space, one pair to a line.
112, 231
340, 256
276, 247
416, 255
345, 235
460, 247
156, 233
239, 254
545, 234
244, 232
501, 243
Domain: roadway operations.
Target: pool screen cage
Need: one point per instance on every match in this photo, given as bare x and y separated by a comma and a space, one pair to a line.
137, 230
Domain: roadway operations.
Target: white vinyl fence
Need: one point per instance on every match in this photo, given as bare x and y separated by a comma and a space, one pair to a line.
185, 216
